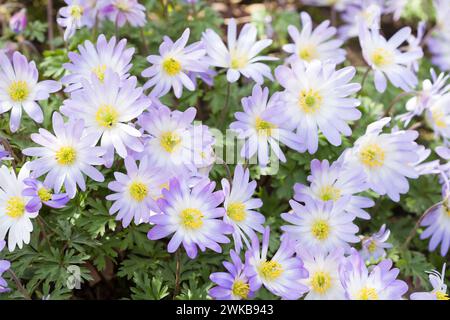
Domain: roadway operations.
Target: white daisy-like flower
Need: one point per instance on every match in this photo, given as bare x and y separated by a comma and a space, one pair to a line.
14, 218
316, 97
387, 60
172, 67
74, 16
321, 226
310, 44
362, 12
240, 207
66, 155
386, 158
107, 107
438, 115
323, 280
96, 59
240, 56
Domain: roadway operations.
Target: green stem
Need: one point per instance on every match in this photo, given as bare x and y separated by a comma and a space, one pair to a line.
224, 112
177, 274
19, 285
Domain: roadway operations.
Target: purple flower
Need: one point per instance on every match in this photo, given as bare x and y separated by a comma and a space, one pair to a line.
170, 69
193, 216
123, 11
19, 88
231, 285
320, 226
263, 125
379, 283
137, 191
332, 182
41, 194
316, 97
96, 60
74, 16
281, 274
18, 21
4, 266
312, 44
357, 13
4, 155
384, 57
240, 206
66, 156
373, 247
439, 291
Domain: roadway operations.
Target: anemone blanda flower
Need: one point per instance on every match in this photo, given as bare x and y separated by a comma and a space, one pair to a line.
310, 44
14, 218
41, 194
193, 216
96, 59
137, 191
363, 12
4, 266
437, 225
439, 291
316, 97
65, 156
18, 21
280, 274
387, 60
174, 142
380, 283
388, 159
438, 116
19, 88
107, 107
123, 11
240, 56
332, 182
240, 205
320, 226
323, 269
263, 125
4, 155
396, 7
74, 16
231, 285
415, 44
373, 247
431, 91
439, 46
170, 68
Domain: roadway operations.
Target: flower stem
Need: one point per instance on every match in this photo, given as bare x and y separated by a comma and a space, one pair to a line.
19, 285
387, 112
365, 77
225, 107
50, 23
177, 274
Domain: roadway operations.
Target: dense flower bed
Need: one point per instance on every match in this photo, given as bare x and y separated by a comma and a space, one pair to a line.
200, 150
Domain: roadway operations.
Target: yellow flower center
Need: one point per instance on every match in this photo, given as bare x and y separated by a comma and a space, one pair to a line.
44, 194
308, 53
240, 289
76, 11
66, 156
122, 6
106, 116
372, 246
171, 66
169, 141
372, 156
327, 193
321, 282
320, 229
438, 117
236, 211
442, 295
382, 57
270, 270
15, 207
191, 218
310, 101
18, 91
238, 61
100, 71
264, 128
368, 294
138, 191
